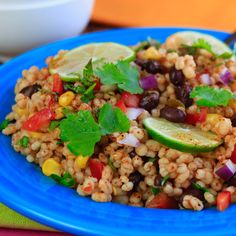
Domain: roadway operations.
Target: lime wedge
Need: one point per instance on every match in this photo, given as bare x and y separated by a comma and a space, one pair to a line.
185, 138
189, 37
76, 59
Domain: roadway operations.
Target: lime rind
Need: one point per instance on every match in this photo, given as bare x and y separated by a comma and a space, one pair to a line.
182, 137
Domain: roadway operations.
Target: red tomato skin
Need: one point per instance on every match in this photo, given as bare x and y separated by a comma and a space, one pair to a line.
98, 85
199, 117
58, 86
130, 100
223, 200
163, 201
96, 168
38, 120
121, 105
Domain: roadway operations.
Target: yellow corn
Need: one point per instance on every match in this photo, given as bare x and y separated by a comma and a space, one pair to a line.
150, 53
232, 104
81, 161
35, 134
59, 114
50, 166
213, 118
66, 98
21, 111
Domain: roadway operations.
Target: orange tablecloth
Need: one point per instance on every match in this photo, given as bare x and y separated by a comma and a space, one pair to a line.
216, 14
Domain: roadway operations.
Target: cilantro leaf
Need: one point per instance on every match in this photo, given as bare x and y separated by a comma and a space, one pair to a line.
112, 120
122, 74
24, 142
81, 132
53, 125
199, 44
67, 179
88, 75
155, 191
4, 124
77, 89
203, 44
211, 97
88, 94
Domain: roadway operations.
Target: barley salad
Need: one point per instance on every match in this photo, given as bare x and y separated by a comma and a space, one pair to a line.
149, 125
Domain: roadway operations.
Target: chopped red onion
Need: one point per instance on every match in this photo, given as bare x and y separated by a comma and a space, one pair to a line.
226, 171
148, 82
205, 79
226, 76
129, 140
133, 113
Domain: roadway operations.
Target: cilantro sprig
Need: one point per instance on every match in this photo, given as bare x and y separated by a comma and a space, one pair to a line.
81, 132
211, 97
23, 142
122, 74
4, 124
203, 44
67, 179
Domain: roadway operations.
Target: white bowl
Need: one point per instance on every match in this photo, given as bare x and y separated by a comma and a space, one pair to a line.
25, 24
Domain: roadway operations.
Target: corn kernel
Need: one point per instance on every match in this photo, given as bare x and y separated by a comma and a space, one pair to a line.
50, 166
81, 161
58, 113
150, 53
66, 98
213, 118
21, 111
35, 135
232, 104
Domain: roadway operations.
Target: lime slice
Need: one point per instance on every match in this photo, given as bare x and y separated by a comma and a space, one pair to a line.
189, 37
76, 59
185, 138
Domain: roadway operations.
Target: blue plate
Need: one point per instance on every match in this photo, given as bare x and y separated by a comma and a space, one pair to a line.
24, 189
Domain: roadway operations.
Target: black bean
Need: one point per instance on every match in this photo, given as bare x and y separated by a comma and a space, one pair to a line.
183, 94
176, 77
153, 67
158, 180
150, 100
30, 90
232, 181
233, 121
193, 192
172, 114
132, 154
135, 178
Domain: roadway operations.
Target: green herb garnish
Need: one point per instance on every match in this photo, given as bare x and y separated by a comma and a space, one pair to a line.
111, 165
203, 44
88, 94
24, 142
155, 191
122, 74
164, 180
148, 43
54, 124
82, 132
211, 97
112, 120
152, 159
201, 188
67, 179
4, 124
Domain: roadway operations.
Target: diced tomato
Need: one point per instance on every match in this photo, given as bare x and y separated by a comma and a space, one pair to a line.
96, 168
39, 120
197, 117
98, 85
121, 105
233, 155
163, 201
88, 188
223, 200
52, 101
57, 84
130, 100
